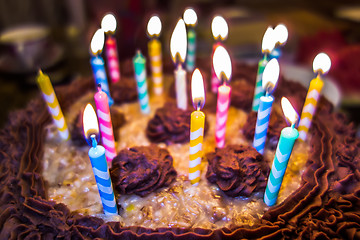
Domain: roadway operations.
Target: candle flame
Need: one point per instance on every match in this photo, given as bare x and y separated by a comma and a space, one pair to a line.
197, 89
108, 23
178, 42
90, 122
271, 75
321, 63
281, 34
268, 42
222, 63
154, 26
190, 17
97, 42
289, 111
219, 28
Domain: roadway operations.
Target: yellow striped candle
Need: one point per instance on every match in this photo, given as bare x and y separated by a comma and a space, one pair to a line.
47, 89
197, 124
321, 65
154, 47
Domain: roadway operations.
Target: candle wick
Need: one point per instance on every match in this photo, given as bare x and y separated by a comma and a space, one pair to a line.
292, 125
198, 106
99, 87
93, 140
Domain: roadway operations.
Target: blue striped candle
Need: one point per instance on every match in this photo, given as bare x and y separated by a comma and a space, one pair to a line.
283, 151
259, 90
262, 123
140, 76
97, 64
102, 177
191, 49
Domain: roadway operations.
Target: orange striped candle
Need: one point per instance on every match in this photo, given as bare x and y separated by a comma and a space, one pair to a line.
196, 127
321, 65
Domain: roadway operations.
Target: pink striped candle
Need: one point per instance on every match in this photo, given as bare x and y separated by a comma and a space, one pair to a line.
223, 102
106, 130
108, 24
112, 58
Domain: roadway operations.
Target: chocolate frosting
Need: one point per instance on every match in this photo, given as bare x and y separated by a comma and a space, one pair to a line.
238, 170
170, 125
124, 90
326, 206
77, 131
142, 170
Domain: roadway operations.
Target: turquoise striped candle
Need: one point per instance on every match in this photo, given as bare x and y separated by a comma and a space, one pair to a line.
259, 91
140, 76
191, 49
283, 151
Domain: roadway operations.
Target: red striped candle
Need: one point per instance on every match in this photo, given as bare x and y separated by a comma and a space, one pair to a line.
112, 58
106, 130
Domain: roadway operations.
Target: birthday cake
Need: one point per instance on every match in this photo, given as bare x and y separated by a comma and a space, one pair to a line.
48, 190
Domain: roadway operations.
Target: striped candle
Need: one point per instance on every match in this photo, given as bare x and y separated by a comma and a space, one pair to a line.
98, 162
262, 123
105, 124
259, 91
270, 78
321, 65
191, 49
197, 125
283, 151
156, 65
112, 58
190, 19
196, 140
223, 103
309, 108
140, 76
97, 63
102, 177
49, 96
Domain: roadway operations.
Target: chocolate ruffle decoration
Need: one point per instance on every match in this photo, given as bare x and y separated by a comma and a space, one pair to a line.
142, 170
325, 206
170, 125
238, 170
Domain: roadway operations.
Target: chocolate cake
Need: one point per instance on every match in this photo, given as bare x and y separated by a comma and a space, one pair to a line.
326, 204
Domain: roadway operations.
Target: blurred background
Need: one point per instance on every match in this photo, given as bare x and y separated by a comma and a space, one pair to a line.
61, 32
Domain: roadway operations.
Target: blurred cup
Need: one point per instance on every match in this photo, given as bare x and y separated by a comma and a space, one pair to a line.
25, 43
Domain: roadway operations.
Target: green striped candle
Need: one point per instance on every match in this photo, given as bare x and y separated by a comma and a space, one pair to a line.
140, 76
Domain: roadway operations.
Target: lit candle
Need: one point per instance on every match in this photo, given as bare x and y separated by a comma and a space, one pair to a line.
178, 45
50, 98
283, 151
280, 37
106, 129
97, 62
270, 78
190, 19
154, 47
98, 162
220, 30
196, 127
222, 66
108, 24
140, 76
267, 46
321, 65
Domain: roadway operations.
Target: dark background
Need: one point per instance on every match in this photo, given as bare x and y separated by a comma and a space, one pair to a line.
314, 26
